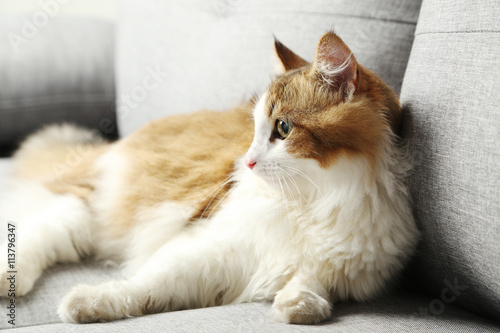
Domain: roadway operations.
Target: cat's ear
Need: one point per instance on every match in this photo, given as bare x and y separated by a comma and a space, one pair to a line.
336, 65
287, 60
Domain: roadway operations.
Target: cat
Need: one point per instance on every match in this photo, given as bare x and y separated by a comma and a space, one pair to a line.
298, 198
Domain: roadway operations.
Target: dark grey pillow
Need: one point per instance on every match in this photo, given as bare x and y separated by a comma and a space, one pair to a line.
451, 93
55, 69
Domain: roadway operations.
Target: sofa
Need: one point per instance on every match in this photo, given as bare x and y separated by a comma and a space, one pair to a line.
164, 57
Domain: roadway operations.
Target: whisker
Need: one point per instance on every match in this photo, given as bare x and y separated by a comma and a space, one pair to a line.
306, 177
281, 211
294, 183
286, 183
289, 190
217, 205
281, 185
218, 188
294, 202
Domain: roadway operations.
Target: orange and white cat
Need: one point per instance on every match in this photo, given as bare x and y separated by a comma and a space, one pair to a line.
303, 204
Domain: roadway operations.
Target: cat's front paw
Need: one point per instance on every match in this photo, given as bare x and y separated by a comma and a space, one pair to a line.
90, 304
300, 307
16, 281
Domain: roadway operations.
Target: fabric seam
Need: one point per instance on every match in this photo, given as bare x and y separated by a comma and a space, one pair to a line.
457, 32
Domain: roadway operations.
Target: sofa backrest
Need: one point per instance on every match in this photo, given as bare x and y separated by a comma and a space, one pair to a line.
181, 56
451, 95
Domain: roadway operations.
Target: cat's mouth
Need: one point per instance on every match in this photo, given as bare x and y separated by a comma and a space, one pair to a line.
263, 172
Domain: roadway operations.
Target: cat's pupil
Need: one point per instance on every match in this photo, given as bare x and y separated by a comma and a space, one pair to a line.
285, 127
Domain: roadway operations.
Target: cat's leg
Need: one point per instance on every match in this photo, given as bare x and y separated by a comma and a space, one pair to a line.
58, 232
303, 300
187, 272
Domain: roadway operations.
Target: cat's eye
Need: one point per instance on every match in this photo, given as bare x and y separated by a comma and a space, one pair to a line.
284, 128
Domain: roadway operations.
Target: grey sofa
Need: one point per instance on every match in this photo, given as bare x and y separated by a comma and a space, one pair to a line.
167, 57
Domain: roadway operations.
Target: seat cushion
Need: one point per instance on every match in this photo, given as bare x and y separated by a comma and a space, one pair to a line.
395, 312
182, 56
55, 69
452, 97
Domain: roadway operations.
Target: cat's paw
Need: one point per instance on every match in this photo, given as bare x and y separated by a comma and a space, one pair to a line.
300, 307
16, 284
5, 284
90, 304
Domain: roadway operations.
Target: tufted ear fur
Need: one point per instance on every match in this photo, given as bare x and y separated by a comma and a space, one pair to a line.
336, 65
287, 59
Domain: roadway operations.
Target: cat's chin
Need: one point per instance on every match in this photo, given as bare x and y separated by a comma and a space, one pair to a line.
265, 178
280, 185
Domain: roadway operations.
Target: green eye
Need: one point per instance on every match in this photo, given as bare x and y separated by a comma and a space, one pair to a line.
284, 128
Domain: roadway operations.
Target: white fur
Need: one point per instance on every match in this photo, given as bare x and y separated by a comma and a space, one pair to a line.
164, 221
289, 231
153, 228
60, 134
50, 228
112, 169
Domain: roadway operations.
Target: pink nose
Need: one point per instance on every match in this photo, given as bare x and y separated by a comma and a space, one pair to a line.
249, 163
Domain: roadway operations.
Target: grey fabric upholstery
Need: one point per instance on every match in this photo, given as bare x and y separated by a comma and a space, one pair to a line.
451, 93
58, 70
395, 312
181, 56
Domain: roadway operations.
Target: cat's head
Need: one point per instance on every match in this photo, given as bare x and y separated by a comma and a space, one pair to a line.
325, 121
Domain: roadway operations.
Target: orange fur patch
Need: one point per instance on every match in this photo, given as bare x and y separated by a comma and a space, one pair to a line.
62, 168
183, 158
325, 124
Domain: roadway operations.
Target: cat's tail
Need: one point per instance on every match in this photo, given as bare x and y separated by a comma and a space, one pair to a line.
57, 135
55, 145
